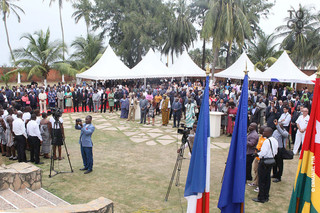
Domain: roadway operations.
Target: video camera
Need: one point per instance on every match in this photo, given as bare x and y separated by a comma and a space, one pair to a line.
56, 113
185, 130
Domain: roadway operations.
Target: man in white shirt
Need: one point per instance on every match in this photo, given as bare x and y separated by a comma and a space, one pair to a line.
43, 101
285, 118
268, 150
34, 139
302, 123
20, 136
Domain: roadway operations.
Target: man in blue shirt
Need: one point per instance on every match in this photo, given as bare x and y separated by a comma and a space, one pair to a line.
176, 108
86, 143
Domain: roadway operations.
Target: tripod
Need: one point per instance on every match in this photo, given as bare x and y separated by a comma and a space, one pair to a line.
178, 164
54, 137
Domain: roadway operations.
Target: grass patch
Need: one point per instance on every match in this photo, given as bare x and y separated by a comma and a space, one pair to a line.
136, 176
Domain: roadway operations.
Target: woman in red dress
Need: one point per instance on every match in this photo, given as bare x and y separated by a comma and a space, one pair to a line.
232, 112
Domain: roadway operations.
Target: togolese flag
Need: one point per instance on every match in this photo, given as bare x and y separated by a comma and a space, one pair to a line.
306, 192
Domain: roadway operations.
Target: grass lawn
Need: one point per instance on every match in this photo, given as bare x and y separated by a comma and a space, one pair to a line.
136, 175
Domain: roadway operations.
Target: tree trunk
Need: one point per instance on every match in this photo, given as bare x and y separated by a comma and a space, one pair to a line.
8, 40
214, 62
204, 54
62, 32
228, 55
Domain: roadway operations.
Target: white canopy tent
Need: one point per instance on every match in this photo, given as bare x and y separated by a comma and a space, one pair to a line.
284, 70
185, 67
236, 70
313, 77
151, 67
108, 67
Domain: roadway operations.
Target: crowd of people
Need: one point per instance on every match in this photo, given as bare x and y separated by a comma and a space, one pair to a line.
279, 112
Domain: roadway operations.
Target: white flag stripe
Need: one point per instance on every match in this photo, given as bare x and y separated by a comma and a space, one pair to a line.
208, 167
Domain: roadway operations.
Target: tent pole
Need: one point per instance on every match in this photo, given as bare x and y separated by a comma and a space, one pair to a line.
145, 83
96, 84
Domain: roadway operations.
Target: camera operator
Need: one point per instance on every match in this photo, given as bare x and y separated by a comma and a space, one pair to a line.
57, 133
85, 142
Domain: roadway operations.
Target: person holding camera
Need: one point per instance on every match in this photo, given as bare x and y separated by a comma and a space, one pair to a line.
281, 135
268, 150
85, 142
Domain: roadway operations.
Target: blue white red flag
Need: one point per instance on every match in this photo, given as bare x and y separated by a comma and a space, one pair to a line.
198, 179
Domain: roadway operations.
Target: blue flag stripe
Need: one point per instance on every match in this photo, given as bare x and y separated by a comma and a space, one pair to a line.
234, 181
196, 179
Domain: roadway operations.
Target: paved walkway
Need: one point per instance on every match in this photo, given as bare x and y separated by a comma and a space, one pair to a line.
138, 133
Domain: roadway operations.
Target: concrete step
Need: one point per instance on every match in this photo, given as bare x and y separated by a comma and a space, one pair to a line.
51, 197
16, 200
5, 205
34, 198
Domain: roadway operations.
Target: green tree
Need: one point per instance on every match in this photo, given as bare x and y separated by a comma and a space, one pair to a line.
300, 36
133, 27
198, 11
83, 10
181, 33
197, 56
226, 22
87, 51
263, 53
41, 56
6, 8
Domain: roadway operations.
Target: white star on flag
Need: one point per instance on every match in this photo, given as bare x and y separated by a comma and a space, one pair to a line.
317, 138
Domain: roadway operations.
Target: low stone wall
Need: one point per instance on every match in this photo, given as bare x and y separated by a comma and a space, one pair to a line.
19, 176
100, 205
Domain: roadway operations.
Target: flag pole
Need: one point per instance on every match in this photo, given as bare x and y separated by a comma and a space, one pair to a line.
318, 72
246, 71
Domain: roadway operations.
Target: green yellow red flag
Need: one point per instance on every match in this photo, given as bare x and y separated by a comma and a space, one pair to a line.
306, 191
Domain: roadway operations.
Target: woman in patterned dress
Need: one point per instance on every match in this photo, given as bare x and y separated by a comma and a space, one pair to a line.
45, 129
68, 96
151, 111
190, 113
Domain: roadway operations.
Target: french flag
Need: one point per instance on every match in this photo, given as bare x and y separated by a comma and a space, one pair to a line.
198, 179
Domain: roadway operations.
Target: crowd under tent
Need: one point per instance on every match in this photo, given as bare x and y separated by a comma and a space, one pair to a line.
236, 70
284, 70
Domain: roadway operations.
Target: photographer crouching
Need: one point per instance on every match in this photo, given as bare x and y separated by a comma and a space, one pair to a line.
86, 143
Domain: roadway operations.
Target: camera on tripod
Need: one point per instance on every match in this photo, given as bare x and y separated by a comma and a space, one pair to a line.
185, 130
56, 113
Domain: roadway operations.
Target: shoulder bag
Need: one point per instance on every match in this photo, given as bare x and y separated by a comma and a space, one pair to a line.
269, 161
286, 154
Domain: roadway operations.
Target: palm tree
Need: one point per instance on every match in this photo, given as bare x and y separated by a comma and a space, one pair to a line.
83, 10
181, 33
62, 30
226, 22
198, 11
298, 39
87, 51
41, 56
6, 7
263, 52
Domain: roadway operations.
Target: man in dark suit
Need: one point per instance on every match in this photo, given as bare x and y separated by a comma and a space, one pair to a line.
255, 114
33, 100
76, 99
283, 94
104, 99
84, 97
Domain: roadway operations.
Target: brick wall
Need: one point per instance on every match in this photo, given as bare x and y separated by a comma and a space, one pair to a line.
54, 76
